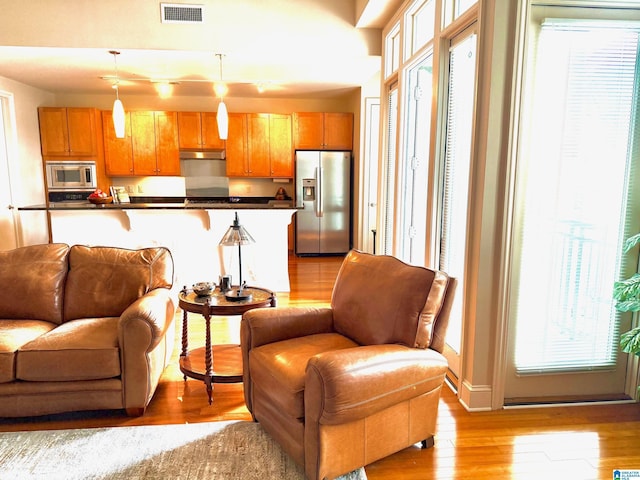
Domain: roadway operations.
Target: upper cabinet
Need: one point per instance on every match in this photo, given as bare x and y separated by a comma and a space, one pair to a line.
259, 145
150, 145
236, 151
323, 131
199, 130
68, 132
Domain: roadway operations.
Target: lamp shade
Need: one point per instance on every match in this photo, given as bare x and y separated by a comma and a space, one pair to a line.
236, 234
222, 118
118, 118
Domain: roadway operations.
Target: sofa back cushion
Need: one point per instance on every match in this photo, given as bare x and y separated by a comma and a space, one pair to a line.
104, 281
379, 299
32, 281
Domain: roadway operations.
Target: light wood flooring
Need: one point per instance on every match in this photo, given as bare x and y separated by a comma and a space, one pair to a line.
572, 442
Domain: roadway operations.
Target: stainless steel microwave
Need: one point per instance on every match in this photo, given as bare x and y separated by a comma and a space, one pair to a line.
71, 175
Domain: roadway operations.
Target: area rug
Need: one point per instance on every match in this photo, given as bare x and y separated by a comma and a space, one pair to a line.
214, 450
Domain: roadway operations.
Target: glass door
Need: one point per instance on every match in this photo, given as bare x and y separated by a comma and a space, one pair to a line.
454, 201
575, 205
415, 169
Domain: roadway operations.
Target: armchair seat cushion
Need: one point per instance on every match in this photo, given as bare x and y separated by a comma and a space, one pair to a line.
85, 349
282, 365
13, 335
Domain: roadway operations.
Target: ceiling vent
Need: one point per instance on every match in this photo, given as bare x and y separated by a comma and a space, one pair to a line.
181, 13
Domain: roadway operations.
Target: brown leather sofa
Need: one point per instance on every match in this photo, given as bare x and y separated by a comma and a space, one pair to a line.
83, 328
342, 386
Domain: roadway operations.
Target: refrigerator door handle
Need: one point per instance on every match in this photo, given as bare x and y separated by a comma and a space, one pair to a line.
320, 193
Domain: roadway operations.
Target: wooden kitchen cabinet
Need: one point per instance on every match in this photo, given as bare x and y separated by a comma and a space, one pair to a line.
150, 146
167, 151
236, 151
267, 149
199, 131
68, 132
258, 142
280, 145
323, 131
118, 154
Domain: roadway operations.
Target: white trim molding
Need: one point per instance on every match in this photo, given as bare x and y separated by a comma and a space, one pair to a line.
475, 398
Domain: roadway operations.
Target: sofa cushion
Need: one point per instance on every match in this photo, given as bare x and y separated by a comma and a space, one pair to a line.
104, 281
32, 282
279, 367
13, 335
85, 349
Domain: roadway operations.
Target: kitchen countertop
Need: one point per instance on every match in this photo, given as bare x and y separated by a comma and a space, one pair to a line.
176, 203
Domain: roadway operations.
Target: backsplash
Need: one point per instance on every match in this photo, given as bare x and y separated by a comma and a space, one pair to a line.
175, 186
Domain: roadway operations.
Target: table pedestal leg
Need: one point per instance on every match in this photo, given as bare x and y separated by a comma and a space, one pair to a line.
208, 358
185, 337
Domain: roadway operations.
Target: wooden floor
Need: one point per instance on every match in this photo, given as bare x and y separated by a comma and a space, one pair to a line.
577, 443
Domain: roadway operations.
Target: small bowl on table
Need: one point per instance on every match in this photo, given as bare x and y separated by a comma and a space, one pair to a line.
100, 200
204, 289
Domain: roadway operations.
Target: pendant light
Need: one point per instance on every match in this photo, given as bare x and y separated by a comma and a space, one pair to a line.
222, 116
118, 109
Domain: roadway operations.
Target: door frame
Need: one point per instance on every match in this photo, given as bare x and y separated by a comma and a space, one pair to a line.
8, 142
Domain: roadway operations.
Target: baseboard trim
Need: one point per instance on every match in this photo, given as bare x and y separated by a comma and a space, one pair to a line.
475, 398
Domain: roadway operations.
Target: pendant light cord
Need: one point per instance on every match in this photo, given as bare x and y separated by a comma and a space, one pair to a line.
115, 63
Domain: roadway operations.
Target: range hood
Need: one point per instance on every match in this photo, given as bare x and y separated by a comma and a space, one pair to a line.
202, 155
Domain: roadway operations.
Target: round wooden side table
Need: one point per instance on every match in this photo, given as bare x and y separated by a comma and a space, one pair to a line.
199, 363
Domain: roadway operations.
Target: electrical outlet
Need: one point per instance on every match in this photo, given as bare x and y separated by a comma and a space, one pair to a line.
130, 189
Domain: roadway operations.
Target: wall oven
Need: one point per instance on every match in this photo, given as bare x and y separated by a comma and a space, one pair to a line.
71, 176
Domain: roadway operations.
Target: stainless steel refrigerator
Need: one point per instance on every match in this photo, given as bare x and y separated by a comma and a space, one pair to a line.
323, 189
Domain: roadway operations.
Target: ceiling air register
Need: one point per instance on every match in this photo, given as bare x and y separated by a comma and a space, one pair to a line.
181, 13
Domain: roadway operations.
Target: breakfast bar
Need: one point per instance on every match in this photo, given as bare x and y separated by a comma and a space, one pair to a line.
192, 232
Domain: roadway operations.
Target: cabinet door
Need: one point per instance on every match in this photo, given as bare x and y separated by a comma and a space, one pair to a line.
280, 148
258, 145
189, 130
338, 131
236, 151
118, 152
308, 130
166, 132
54, 133
81, 124
210, 136
144, 143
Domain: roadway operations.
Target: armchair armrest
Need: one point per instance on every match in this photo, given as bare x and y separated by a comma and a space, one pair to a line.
142, 329
346, 385
267, 325
261, 326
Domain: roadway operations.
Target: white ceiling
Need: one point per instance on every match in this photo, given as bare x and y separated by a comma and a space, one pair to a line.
298, 48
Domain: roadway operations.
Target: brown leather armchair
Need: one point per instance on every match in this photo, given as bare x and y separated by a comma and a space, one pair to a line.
342, 386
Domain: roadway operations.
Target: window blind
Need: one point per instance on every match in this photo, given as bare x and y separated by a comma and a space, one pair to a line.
575, 195
389, 172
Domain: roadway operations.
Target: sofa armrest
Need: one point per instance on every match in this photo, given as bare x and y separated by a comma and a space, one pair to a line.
346, 385
142, 332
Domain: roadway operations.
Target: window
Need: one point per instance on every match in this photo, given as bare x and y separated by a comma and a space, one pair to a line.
574, 194
454, 8
392, 52
457, 164
419, 25
415, 169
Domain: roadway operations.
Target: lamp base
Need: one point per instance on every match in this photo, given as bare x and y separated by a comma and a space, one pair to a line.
236, 295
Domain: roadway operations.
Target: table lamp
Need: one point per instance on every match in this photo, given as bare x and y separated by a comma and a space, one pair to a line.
236, 234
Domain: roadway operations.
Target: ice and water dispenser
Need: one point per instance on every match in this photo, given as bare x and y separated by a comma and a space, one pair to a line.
308, 189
